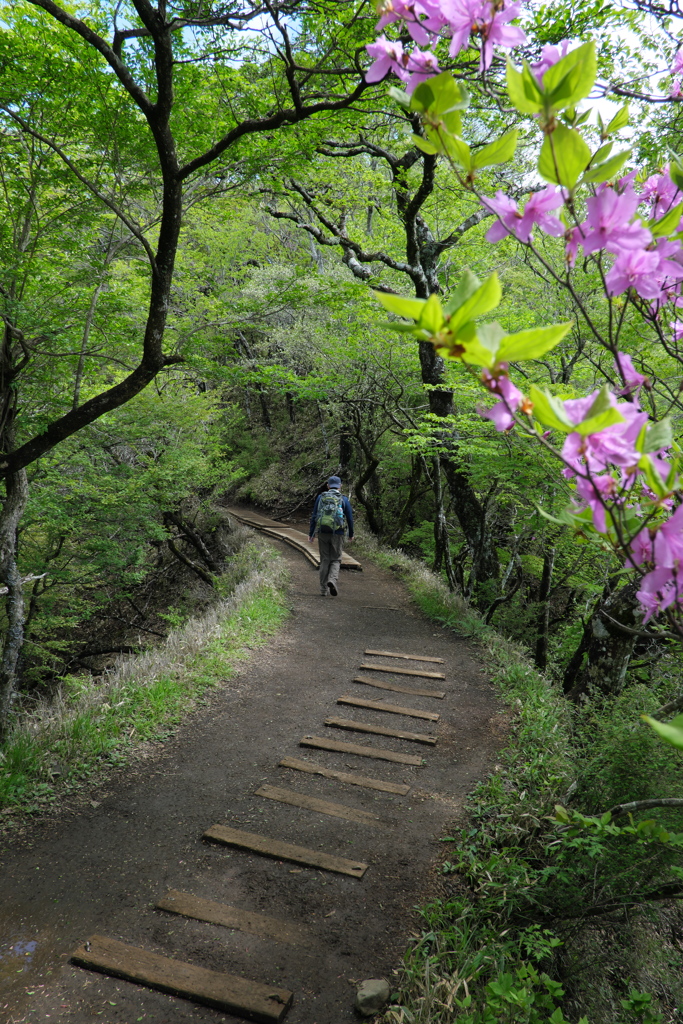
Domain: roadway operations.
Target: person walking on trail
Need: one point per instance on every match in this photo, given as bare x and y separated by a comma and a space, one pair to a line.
331, 519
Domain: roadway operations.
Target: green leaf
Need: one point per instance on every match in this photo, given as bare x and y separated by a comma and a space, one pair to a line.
659, 435
422, 98
409, 308
671, 731
424, 145
667, 224
600, 415
484, 299
572, 78
549, 411
532, 344
602, 153
431, 317
564, 157
619, 121
598, 172
399, 96
466, 286
676, 169
498, 152
525, 96
652, 477
482, 349
448, 94
458, 150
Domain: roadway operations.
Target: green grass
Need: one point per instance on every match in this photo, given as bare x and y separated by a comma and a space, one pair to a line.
502, 946
95, 727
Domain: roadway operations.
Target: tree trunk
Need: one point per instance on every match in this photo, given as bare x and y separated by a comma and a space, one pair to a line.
541, 655
608, 640
15, 503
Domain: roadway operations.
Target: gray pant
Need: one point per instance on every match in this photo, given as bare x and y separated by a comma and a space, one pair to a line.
330, 546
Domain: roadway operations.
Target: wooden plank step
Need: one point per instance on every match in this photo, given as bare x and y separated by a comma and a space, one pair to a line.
407, 657
354, 780
284, 851
226, 992
392, 709
199, 909
397, 688
312, 803
380, 730
405, 671
320, 743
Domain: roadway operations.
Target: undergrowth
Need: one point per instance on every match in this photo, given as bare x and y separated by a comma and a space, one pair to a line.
548, 912
95, 723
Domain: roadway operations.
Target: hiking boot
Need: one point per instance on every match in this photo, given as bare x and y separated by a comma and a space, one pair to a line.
323, 593
331, 587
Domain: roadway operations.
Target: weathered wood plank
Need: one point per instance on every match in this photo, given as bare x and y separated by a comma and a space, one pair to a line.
313, 803
320, 743
392, 709
380, 730
405, 671
407, 657
399, 788
226, 992
200, 909
285, 851
397, 688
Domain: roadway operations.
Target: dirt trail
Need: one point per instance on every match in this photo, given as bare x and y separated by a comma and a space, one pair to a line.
102, 870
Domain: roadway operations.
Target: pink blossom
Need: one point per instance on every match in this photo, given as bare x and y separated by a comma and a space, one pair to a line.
520, 224
639, 270
411, 12
677, 329
641, 547
608, 226
422, 64
677, 62
628, 373
675, 90
660, 192
388, 56
550, 55
612, 446
501, 413
658, 590
596, 492
483, 18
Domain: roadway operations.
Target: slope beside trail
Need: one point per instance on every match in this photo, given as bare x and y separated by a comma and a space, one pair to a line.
103, 869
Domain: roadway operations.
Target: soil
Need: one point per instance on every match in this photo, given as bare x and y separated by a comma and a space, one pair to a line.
100, 870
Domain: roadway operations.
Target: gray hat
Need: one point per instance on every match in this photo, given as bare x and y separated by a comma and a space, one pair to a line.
334, 483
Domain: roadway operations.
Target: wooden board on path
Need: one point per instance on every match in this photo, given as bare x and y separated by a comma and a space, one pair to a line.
291, 536
397, 688
199, 909
355, 780
407, 657
284, 851
405, 671
392, 709
313, 803
380, 730
226, 992
320, 743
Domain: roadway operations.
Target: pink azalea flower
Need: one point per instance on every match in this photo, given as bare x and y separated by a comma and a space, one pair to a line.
675, 90
520, 224
612, 446
628, 373
388, 56
501, 413
422, 64
677, 62
658, 590
596, 492
640, 270
483, 18
550, 55
661, 193
420, 29
608, 224
641, 547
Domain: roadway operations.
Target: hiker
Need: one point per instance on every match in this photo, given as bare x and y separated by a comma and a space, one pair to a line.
331, 518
